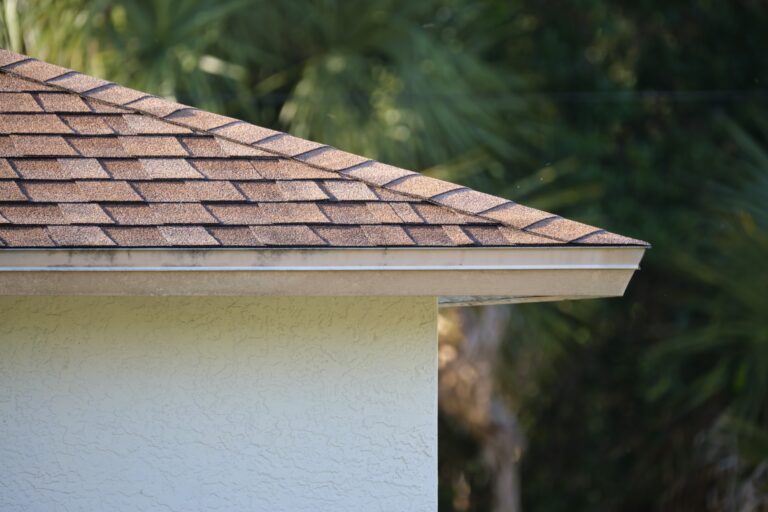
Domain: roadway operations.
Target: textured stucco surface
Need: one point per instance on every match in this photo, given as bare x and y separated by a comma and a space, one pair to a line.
231, 404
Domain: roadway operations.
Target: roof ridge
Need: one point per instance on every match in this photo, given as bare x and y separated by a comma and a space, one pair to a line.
454, 197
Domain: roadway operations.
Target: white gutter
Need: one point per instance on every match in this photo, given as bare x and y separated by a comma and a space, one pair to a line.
458, 276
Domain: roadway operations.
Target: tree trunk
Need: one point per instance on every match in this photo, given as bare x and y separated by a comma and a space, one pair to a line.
469, 345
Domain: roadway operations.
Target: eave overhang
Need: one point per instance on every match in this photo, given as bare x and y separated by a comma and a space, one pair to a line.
458, 276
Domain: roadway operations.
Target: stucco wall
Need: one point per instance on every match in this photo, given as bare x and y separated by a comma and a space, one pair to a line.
231, 404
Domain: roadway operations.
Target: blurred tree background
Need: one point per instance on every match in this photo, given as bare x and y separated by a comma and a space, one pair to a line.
645, 117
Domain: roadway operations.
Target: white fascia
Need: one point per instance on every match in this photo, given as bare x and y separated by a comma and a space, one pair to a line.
458, 276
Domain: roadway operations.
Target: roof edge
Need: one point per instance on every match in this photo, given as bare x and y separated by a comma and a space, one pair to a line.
321, 156
458, 276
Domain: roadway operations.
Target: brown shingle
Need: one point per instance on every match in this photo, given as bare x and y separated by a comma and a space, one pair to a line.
6, 171
334, 159
137, 236
301, 191
562, 229
14, 84
470, 200
25, 237
88, 125
98, 146
343, 236
232, 236
32, 123
148, 145
394, 197
125, 169
361, 213
157, 106
8, 57
227, 169
116, 94
100, 107
181, 213
78, 82
291, 213
38, 70
144, 125
32, 214
288, 145
245, 133
517, 215
282, 169
407, 213
9, 191
43, 169
457, 235
202, 146
82, 168
199, 119
606, 238
165, 192
349, 190
236, 149
440, 215
384, 236
429, 236
107, 190
187, 236
61, 102
517, 237
84, 213
261, 191
238, 213
78, 236
378, 173
214, 191
53, 192
18, 102
8, 148
133, 214
169, 168
423, 186
286, 236
486, 235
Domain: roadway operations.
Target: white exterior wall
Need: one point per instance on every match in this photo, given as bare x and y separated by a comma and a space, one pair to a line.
218, 404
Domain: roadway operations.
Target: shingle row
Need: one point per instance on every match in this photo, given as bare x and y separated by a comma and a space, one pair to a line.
130, 135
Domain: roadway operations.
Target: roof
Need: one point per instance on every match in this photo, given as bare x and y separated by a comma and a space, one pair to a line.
88, 163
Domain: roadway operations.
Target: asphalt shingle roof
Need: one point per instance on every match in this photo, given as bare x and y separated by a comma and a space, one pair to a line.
88, 163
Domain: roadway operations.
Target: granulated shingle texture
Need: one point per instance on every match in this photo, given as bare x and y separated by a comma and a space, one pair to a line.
88, 163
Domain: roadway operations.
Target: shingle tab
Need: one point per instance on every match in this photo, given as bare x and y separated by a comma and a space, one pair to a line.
169, 168
59, 102
146, 145
32, 214
18, 102
289, 145
199, 119
79, 236
40, 169
38, 70
187, 236
245, 133
286, 236
88, 125
9, 191
25, 236
32, 123
84, 213
137, 236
